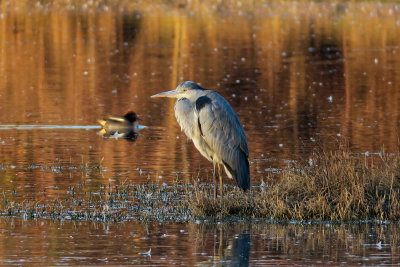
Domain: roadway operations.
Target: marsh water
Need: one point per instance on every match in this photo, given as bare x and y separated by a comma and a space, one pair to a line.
82, 243
299, 75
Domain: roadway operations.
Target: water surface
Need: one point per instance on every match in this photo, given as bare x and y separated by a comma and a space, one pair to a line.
46, 242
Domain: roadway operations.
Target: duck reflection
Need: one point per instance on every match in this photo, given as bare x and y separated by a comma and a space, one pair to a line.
125, 127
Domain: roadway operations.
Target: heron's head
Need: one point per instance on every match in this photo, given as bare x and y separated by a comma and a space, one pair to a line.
185, 89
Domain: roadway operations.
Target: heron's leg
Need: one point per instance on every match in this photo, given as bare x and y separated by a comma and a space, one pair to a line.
215, 183
221, 188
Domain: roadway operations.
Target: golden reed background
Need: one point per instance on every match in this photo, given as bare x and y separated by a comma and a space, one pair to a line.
61, 61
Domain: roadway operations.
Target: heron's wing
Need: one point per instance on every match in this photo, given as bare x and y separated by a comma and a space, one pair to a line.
221, 129
184, 115
219, 124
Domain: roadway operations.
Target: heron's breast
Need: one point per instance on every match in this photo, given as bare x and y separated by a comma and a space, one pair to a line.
203, 148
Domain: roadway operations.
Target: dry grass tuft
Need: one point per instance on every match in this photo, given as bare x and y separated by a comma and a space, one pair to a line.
328, 186
234, 203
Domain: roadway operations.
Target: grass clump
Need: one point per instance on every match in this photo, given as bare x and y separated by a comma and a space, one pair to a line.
327, 186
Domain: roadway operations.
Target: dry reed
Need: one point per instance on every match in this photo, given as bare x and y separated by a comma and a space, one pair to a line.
328, 186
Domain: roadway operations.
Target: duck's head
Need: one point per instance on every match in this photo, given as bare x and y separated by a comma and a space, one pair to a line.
131, 116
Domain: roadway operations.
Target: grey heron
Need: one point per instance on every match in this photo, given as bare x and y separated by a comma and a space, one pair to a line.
210, 122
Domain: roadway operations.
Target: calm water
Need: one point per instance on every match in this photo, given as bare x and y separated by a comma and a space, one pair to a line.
71, 243
297, 74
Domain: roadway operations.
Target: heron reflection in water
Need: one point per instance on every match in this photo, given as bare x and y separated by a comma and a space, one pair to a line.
125, 127
210, 122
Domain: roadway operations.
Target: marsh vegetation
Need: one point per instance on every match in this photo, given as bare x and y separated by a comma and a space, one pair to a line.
334, 186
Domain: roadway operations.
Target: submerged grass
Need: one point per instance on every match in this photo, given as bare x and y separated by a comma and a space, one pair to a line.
107, 203
327, 186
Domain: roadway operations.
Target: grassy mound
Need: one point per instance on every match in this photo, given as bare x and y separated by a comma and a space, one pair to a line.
328, 186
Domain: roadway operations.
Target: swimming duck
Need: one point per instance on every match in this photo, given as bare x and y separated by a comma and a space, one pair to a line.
126, 126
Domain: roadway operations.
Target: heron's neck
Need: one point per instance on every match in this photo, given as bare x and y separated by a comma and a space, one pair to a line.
194, 96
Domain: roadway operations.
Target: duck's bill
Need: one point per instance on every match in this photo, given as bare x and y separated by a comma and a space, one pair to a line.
171, 93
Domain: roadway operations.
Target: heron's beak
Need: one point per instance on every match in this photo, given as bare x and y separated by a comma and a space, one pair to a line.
172, 93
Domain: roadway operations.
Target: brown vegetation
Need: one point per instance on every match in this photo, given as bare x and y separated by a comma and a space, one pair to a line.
330, 186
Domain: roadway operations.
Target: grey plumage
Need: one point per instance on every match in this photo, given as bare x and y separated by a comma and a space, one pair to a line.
210, 122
